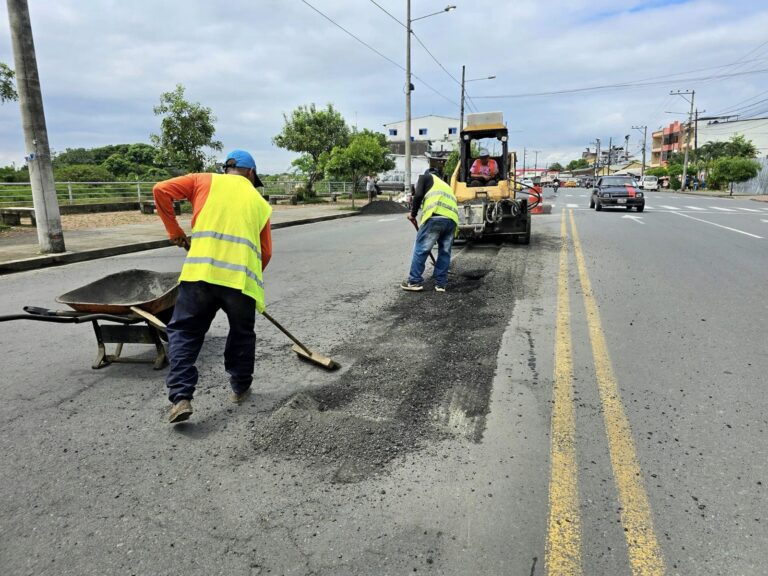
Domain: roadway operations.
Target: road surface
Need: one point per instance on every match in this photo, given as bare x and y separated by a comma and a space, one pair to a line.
589, 404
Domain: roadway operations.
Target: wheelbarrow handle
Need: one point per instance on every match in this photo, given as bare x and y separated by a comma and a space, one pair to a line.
65, 316
37, 311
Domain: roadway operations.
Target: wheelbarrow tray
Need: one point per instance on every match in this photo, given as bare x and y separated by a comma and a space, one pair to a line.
116, 293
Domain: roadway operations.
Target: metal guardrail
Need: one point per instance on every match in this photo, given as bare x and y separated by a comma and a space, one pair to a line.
71, 193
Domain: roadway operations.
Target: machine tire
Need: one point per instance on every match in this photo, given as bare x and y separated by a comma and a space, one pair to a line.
629, 208
591, 202
641, 208
598, 206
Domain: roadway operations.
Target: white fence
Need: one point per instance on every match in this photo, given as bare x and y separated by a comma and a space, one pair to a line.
71, 193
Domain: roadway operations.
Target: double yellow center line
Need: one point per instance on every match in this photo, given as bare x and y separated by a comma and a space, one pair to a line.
563, 550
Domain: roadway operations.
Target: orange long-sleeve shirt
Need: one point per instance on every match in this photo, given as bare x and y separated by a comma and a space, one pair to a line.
195, 188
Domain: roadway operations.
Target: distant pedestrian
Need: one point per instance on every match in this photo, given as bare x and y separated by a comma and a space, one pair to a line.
439, 220
370, 187
231, 245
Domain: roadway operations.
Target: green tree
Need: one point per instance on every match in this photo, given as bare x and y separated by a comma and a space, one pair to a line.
557, 167
366, 153
11, 174
675, 171
314, 133
7, 89
82, 173
658, 172
740, 147
732, 169
579, 164
186, 130
119, 165
73, 156
141, 154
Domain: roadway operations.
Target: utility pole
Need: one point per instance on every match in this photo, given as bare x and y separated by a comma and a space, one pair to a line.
610, 153
597, 157
49, 233
461, 121
536, 162
408, 98
645, 134
683, 95
525, 152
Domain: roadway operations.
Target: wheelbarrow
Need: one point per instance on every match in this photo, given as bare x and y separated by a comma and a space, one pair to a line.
129, 307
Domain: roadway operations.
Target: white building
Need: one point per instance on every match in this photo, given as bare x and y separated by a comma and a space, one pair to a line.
435, 129
428, 134
717, 130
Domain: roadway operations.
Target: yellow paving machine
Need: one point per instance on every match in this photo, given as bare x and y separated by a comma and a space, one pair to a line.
485, 185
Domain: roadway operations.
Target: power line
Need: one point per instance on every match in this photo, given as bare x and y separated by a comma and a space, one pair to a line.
387, 58
424, 46
623, 85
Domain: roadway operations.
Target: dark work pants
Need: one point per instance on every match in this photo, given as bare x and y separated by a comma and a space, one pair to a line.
196, 306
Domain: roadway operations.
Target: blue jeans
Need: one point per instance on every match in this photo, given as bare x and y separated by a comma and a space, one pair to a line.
196, 306
435, 230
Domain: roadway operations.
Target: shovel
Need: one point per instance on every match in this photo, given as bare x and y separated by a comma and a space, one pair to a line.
431, 256
298, 347
302, 350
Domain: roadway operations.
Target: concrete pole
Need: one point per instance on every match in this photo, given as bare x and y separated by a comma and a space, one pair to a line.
687, 142
597, 158
408, 98
610, 153
461, 121
49, 233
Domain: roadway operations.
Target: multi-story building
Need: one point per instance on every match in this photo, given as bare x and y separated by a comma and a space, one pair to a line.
429, 134
432, 128
676, 136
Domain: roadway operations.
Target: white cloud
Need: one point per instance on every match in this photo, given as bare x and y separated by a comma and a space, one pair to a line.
103, 65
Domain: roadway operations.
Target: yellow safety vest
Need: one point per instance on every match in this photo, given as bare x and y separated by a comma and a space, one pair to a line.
226, 246
439, 201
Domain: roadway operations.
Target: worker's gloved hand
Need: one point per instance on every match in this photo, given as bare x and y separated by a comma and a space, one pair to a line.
181, 242
411, 218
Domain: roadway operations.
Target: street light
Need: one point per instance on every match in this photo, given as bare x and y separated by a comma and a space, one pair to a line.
409, 86
461, 121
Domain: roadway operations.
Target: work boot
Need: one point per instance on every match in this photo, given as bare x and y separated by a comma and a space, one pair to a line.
406, 285
240, 397
180, 411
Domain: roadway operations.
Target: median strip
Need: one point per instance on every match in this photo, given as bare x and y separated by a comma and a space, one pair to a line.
645, 555
563, 548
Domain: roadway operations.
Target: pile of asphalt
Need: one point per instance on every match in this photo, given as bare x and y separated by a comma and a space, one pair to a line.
424, 371
382, 207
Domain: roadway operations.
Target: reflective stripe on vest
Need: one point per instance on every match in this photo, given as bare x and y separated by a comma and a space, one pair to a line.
226, 246
440, 201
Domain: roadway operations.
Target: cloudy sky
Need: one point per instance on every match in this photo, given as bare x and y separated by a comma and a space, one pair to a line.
104, 63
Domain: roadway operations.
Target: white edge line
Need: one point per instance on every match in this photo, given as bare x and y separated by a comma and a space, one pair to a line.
718, 225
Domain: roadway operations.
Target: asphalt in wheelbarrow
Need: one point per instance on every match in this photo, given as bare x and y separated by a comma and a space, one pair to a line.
116, 293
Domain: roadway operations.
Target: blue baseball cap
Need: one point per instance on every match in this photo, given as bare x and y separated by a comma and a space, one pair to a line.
243, 159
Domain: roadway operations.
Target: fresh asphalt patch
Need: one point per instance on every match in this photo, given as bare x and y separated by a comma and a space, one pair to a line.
378, 207
424, 372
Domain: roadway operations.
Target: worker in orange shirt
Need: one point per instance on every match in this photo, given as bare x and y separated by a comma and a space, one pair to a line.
230, 246
484, 170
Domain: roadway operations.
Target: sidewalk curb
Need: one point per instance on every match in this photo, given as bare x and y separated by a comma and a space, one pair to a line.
26, 264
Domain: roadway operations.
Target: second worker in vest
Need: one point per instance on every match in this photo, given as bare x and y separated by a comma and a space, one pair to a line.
231, 245
439, 219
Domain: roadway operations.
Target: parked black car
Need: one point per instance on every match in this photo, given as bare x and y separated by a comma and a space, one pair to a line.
617, 192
